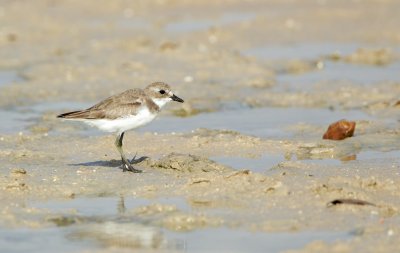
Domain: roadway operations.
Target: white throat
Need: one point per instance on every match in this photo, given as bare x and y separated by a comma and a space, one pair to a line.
161, 101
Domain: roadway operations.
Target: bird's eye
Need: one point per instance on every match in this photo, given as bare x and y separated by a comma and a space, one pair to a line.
162, 91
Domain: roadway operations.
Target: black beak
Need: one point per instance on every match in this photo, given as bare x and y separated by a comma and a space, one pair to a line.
177, 99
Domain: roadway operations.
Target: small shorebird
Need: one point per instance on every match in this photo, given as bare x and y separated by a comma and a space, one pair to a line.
128, 110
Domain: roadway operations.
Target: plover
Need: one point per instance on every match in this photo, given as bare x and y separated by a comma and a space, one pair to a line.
125, 111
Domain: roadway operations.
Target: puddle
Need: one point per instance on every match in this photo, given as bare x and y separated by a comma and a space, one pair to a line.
14, 122
338, 71
40, 240
58, 107
134, 23
19, 119
228, 240
106, 206
378, 155
367, 156
258, 165
261, 122
185, 26
331, 71
131, 233
307, 51
7, 77
358, 156
131, 236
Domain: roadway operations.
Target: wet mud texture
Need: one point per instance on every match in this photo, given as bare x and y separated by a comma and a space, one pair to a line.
79, 52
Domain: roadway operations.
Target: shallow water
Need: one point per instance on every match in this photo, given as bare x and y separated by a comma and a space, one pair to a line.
19, 119
8, 77
230, 240
14, 122
261, 122
72, 239
329, 71
338, 72
109, 221
309, 51
373, 155
268, 122
203, 24
269, 161
39, 240
106, 206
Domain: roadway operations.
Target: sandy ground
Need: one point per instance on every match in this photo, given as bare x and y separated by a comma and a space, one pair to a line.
83, 51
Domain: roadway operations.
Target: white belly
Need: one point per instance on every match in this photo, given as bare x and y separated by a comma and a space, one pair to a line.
123, 124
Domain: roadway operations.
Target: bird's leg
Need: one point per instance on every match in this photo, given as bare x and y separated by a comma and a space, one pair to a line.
126, 165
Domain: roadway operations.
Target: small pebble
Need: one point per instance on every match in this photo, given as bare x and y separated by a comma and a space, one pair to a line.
18, 171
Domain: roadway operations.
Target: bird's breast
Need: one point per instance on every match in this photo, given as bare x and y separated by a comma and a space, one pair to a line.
143, 117
122, 124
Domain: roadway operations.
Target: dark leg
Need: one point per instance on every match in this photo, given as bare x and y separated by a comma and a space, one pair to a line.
126, 165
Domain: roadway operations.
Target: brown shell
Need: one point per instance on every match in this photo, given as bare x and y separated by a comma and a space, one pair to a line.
340, 130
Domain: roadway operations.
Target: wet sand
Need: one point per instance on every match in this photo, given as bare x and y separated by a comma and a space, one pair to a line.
241, 165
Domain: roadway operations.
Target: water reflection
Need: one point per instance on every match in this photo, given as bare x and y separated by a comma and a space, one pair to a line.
125, 235
121, 208
319, 154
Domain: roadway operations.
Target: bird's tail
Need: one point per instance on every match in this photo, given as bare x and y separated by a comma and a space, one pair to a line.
74, 115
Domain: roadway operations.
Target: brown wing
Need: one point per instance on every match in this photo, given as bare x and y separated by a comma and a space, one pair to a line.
126, 103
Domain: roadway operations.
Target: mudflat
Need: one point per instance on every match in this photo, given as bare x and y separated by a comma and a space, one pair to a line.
241, 165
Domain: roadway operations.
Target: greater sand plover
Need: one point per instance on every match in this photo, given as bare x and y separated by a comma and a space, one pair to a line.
125, 111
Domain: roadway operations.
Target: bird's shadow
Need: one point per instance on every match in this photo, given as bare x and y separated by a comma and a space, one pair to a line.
111, 163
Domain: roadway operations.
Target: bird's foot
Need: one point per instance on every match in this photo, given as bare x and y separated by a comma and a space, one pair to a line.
133, 159
139, 160
126, 166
